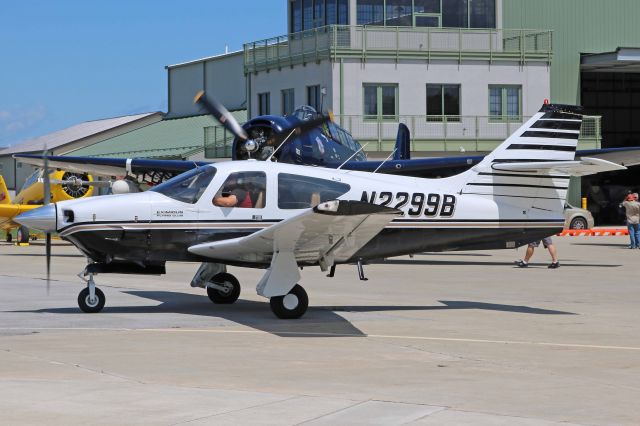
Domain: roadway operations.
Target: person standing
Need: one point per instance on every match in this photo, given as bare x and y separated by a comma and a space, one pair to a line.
632, 213
548, 244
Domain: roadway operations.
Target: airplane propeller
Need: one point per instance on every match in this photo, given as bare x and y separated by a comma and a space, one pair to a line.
226, 119
46, 201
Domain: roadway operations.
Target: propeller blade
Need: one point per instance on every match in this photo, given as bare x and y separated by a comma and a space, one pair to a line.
221, 114
46, 179
48, 252
46, 201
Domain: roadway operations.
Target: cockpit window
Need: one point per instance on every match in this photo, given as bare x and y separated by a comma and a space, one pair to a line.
303, 192
242, 189
189, 186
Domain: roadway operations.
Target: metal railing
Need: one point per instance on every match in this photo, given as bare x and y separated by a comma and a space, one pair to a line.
337, 41
428, 133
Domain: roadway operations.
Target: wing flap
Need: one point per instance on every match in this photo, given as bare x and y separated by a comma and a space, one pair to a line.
583, 167
333, 230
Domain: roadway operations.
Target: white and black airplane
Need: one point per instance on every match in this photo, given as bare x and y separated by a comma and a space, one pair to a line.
282, 217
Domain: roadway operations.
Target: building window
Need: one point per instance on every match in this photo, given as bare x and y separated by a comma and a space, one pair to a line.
314, 97
427, 13
264, 103
399, 13
309, 14
370, 12
380, 101
343, 12
505, 102
443, 101
296, 16
288, 101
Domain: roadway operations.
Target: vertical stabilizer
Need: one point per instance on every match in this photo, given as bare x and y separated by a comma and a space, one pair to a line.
549, 136
5, 198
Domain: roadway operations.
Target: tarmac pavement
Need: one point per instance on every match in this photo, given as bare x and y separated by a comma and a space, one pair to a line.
461, 338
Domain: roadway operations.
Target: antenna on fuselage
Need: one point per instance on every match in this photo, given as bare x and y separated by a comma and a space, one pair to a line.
281, 143
385, 160
352, 155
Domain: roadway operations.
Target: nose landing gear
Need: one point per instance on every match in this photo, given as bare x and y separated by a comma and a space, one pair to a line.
91, 299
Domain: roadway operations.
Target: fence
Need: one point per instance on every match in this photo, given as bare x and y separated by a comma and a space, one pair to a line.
398, 42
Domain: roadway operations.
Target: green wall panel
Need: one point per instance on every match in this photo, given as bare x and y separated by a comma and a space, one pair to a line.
579, 26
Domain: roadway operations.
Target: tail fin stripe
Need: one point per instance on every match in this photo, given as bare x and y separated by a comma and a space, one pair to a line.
551, 135
542, 147
557, 125
562, 116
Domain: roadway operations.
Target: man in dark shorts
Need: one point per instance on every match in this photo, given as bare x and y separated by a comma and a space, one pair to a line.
548, 244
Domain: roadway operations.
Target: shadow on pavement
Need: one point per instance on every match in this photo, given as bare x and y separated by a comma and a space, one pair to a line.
479, 263
319, 321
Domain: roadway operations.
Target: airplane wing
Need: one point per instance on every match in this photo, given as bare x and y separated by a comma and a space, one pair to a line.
333, 231
110, 166
583, 167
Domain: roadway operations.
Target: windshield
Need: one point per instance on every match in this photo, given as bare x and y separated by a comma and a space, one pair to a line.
189, 186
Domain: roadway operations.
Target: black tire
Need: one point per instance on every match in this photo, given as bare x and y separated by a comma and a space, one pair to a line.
224, 297
578, 223
9, 237
23, 235
280, 305
86, 306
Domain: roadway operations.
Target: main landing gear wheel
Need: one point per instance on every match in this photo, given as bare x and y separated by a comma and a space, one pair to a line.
292, 305
226, 290
9, 237
23, 234
91, 306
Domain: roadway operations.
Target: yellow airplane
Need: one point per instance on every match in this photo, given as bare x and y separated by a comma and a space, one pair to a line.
64, 186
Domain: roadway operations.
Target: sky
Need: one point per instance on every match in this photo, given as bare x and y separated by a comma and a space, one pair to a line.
63, 62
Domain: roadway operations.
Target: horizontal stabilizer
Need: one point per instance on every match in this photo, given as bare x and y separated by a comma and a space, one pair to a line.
584, 166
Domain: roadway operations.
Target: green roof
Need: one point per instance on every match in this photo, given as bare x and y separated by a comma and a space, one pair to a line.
174, 138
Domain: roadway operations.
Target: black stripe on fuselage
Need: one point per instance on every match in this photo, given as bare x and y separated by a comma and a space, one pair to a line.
524, 160
542, 147
557, 125
516, 185
170, 245
513, 196
549, 135
524, 176
142, 222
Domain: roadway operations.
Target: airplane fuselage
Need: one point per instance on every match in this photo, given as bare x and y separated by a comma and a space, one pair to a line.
153, 227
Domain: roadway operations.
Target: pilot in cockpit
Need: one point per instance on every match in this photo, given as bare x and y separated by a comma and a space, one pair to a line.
240, 191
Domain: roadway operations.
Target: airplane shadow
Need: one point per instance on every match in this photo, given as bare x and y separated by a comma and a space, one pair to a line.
477, 263
319, 321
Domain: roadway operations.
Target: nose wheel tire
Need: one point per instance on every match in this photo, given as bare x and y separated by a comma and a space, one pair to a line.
231, 290
91, 306
292, 305
23, 234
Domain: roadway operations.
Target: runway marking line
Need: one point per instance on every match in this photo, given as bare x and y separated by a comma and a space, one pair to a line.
298, 333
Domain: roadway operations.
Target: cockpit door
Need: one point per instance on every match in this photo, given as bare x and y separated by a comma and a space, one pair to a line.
236, 207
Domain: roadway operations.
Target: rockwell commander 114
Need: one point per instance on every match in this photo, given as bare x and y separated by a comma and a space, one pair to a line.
282, 217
